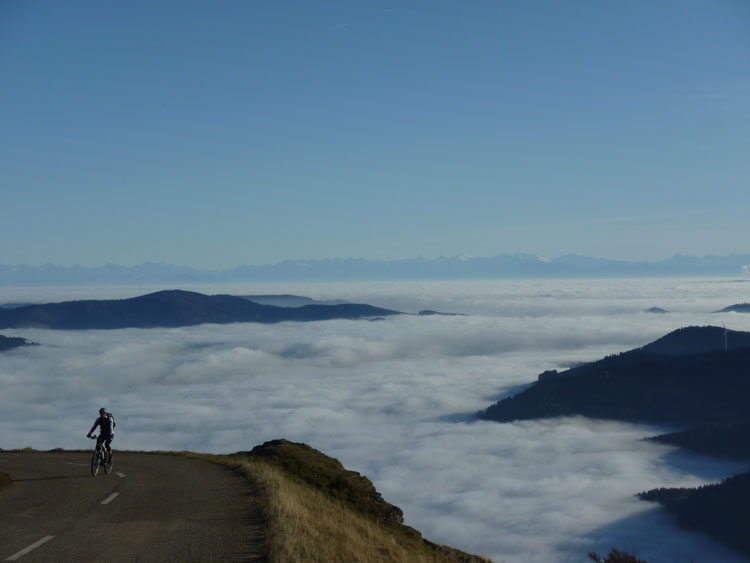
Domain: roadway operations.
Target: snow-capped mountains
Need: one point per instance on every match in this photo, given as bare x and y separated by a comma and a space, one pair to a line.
354, 269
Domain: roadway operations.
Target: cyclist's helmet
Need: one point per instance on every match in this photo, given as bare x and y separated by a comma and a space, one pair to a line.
102, 411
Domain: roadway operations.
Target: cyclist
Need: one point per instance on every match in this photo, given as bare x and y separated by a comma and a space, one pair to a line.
106, 424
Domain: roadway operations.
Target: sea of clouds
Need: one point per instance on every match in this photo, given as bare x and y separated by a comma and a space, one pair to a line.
396, 400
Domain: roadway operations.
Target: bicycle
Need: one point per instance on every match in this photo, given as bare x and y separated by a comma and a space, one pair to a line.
100, 458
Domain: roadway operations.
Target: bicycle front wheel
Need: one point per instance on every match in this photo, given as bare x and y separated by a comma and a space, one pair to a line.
94, 463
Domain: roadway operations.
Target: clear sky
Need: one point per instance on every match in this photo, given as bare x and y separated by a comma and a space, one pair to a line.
213, 134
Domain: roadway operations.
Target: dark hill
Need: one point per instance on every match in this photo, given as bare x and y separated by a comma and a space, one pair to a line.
695, 339
10, 342
731, 440
720, 510
739, 308
172, 308
643, 386
683, 379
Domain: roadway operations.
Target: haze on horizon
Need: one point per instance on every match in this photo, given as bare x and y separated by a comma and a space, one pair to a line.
254, 132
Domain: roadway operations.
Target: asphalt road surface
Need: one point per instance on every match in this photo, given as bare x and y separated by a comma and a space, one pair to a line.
149, 508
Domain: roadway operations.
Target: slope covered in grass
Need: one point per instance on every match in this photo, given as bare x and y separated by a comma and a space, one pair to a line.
317, 511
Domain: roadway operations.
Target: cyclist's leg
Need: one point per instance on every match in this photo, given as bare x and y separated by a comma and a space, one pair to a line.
99, 440
108, 444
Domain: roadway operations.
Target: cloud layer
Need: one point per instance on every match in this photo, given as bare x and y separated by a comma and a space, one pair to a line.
394, 400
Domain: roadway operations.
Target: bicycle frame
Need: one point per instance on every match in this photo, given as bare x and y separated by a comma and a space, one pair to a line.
100, 458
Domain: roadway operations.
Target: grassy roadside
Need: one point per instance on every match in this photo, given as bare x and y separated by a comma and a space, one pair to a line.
317, 511
306, 525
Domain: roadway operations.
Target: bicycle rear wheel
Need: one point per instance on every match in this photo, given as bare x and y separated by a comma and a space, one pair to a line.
107, 462
95, 463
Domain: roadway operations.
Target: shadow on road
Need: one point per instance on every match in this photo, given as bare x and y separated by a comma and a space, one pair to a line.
52, 478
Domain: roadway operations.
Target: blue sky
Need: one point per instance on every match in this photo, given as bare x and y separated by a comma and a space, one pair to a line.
213, 134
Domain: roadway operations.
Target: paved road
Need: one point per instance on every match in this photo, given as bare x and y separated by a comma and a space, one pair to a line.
150, 508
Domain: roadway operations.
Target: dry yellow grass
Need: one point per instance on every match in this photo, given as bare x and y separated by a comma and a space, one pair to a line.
302, 524
305, 526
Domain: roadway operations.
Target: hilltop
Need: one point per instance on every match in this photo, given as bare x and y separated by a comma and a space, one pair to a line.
696, 339
173, 308
738, 308
335, 514
682, 379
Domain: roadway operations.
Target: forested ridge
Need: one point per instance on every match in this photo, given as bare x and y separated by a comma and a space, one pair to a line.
697, 378
173, 308
10, 342
720, 510
730, 440
640, 386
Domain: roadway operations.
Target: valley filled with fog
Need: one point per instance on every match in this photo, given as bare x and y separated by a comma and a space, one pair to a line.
396, 400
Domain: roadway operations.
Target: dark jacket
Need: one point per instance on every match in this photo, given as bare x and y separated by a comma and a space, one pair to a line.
106, 423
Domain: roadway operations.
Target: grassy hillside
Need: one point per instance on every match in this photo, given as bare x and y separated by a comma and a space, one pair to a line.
317, 511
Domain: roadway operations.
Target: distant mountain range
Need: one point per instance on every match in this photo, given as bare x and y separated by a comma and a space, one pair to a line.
173, 308
351, 269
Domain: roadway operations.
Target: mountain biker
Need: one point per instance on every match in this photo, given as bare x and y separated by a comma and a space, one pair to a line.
106, 424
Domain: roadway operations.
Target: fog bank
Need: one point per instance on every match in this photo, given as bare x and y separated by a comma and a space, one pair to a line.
395, 400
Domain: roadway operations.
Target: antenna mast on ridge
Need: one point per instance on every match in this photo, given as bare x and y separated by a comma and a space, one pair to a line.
725, 336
